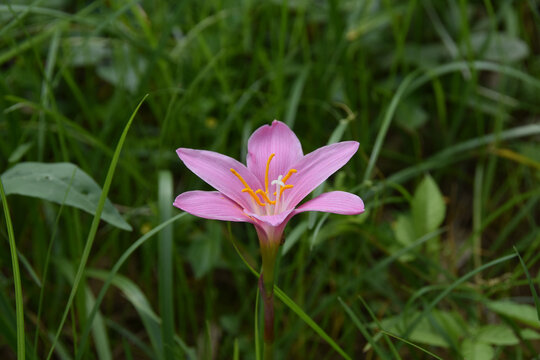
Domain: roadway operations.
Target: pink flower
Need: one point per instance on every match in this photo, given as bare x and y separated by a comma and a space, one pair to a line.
267, 191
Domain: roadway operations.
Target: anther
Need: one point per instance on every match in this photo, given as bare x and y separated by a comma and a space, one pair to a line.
283, 189
240, 178
292, 171
254, 196
265, 197
266, 172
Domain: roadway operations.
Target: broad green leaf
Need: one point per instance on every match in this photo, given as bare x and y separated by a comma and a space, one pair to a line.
428, 337
452, 323
404, 230
520, 312
428, 208
449, 325
472, 350
51, 181
497, 335
499, 47
529, 334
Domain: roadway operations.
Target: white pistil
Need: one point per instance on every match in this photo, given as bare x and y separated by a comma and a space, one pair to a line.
279, 184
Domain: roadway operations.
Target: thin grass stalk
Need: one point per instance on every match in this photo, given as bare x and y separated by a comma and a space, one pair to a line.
114, 271
93, 227
16, 277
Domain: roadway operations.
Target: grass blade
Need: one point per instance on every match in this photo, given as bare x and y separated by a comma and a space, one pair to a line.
47, 262
533, 290
386, 124
390, 344
93, 227
411, 344
447, 290
112, 273
363, 329
295, 96
165, 257
16, 277
136, 297
294, 307
99, 331
453, 154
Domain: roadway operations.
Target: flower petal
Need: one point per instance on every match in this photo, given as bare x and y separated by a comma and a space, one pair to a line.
316, 167
215, 169
210, 205
275, 139
272, 220
337, 202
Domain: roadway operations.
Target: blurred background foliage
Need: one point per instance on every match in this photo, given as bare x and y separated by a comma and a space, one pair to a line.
442, 96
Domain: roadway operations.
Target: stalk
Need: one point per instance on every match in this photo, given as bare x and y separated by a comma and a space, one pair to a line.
269, 250
268, 305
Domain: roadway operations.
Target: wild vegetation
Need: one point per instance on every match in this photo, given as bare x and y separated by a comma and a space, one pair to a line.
442, 96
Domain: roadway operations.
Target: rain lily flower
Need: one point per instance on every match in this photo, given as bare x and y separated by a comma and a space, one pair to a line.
267, 192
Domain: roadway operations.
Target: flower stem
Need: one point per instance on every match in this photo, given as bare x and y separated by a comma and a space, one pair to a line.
268, 305
269, 252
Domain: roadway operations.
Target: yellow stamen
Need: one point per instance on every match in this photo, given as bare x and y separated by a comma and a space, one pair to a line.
248, 188
283, 189
265, 194
254, 196
265, 197
292, 171
266, 173
241, 179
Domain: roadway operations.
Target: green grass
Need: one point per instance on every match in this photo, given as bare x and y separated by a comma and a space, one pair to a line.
442, 97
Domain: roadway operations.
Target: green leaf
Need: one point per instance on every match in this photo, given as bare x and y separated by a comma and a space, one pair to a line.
136, 297
19, 304
52, 181
428, 208
165, 263
472, 350
19, 152
93, 228
410, 115
497, 335
448, 326
529, 334
372, 340
297, 309
86, 51
404, 230
499, 46
531, 284
127, 72
520, 312
99, 331
293, 237
205, 251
